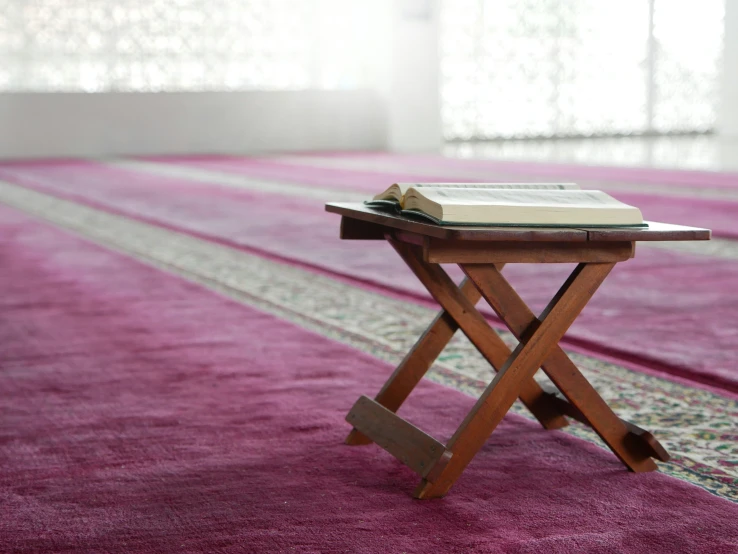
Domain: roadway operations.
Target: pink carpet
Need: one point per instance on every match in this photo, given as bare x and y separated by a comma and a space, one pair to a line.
526, 168
719, 215
142, 413
641, 175
680, 319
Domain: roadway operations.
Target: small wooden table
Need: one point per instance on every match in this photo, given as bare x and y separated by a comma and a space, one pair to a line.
481, 252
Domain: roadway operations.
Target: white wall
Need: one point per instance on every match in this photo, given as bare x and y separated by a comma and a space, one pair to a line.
414, 103
727, 123
38, 125
398, 109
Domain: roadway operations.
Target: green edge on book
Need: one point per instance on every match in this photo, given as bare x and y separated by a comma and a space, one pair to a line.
394, 207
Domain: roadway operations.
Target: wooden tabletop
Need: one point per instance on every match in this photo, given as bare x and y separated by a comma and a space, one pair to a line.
654, 232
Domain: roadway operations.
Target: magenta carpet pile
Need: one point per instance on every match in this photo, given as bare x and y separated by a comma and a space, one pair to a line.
682, 303
717, 214
142, 413
577, 172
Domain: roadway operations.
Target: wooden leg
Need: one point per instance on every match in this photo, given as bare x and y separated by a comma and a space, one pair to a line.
418, 361
476, 328
519, 369
634, 449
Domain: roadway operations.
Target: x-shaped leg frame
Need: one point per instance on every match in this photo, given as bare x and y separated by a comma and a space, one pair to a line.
440, 465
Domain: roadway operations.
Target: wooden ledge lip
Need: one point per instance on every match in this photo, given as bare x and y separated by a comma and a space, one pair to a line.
466, 252
655, 232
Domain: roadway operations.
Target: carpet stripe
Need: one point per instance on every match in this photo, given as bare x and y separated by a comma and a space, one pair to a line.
298, 229
688, 210
194, 424
706, 184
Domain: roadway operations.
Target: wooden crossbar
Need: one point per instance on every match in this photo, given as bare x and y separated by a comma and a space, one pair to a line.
414, 448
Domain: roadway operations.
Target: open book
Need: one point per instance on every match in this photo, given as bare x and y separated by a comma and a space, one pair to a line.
508, 204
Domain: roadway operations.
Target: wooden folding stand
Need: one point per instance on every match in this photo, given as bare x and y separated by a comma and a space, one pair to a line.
481, 252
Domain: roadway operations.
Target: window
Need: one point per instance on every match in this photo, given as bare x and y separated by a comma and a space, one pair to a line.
544, 68
182, 45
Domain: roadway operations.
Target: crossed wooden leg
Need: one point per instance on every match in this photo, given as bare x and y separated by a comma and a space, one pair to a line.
458, 304
632, 445
440, 465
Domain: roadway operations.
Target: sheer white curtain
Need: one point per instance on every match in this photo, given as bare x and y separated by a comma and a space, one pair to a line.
183, 45
543, 68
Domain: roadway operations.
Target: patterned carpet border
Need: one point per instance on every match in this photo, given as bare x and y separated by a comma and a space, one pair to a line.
698, 426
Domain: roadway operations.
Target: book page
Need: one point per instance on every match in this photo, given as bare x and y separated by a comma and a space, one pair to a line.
452, 196
493, 186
